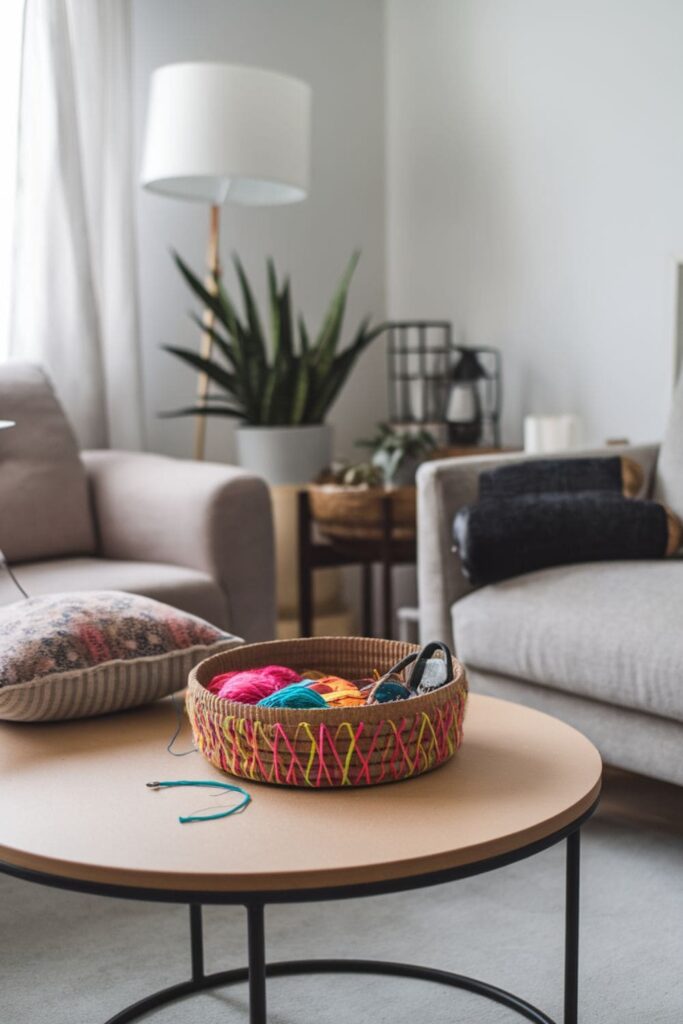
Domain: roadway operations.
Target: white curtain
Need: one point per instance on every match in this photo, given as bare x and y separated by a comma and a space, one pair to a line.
74, 303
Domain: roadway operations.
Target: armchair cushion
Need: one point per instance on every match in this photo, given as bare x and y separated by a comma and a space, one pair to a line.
607, 631
44, 509
187, 589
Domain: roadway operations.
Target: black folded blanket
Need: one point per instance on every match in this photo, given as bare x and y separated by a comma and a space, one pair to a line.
553, 476
506, 536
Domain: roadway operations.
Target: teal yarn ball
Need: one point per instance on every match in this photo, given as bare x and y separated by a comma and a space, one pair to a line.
389, 691
294, 696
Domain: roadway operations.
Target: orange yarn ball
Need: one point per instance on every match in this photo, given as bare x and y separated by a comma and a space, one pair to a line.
338, 692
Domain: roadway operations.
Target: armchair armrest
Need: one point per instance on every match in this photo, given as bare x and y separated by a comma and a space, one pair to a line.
444, 486
205, 516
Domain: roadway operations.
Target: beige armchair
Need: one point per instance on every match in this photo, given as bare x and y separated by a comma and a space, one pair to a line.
196, 535
597, 644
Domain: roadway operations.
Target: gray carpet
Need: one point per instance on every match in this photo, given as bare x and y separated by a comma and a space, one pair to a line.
73, 959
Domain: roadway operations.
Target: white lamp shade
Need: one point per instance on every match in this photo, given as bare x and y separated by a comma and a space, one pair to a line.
222, 132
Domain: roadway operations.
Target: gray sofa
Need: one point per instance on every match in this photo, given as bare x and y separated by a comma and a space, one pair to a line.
196, 535
600, 645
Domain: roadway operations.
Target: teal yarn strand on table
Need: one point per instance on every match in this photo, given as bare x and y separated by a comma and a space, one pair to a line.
208, 784
294, 696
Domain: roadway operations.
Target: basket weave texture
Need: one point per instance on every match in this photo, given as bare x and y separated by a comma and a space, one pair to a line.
330, 747
356, 512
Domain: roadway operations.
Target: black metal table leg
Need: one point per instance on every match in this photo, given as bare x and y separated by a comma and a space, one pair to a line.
367, 595
196, 941
571, 935
387, 566
257, 963
257, 971
305, 567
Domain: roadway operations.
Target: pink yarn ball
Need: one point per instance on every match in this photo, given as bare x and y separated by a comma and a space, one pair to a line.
249, 686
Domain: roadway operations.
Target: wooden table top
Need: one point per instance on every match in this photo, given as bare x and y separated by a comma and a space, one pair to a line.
73, 803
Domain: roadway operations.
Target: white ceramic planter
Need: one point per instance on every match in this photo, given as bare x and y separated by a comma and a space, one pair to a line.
285, 455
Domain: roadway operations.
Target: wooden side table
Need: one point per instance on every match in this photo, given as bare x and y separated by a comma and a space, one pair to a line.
315, 553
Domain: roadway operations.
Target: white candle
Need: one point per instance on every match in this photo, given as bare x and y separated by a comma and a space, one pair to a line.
551, 433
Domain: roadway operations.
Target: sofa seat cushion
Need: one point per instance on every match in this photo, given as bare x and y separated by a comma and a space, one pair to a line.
44, 504
607, 630
186, 589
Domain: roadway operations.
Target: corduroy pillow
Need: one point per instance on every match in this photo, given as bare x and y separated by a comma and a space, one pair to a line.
615, 474
498, 539
91, 652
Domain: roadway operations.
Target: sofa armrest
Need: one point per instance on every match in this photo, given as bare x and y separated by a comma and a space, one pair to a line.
205, 516
444, 486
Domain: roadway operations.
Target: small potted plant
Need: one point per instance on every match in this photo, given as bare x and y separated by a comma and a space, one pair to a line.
398, 453
348, 502
281, 389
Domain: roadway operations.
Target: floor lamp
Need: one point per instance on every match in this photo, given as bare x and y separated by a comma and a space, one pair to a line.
221, 133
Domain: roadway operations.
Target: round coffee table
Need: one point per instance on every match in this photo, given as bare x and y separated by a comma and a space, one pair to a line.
75, 813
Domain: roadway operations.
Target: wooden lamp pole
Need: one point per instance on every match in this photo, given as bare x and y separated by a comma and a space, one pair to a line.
209, 321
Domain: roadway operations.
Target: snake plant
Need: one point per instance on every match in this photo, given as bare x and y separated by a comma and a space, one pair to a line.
293, 380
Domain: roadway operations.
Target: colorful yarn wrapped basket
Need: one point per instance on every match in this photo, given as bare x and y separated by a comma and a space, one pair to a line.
325, 747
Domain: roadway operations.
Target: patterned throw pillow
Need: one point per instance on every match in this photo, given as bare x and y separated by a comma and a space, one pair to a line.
91, 652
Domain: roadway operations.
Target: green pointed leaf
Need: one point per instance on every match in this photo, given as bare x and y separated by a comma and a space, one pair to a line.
331, 384
268, 399
303, 336
233, 324
209, 299
274, 298
328, 338
202, 410
257, 344
225, 347
278, 390
217, 398
213, 371
286, 340
365, 336
221, 306
301, 387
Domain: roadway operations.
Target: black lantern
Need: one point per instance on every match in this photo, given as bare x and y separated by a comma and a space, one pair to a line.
473, 406
451, 390
419, 354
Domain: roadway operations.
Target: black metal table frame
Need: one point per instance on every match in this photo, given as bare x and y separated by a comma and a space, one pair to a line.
259, 970
384, 551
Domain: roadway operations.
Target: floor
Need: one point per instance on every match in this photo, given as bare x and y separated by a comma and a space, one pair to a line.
73, 959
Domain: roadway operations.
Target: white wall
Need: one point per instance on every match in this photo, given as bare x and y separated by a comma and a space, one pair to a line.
339, 49
535, 176
535, 192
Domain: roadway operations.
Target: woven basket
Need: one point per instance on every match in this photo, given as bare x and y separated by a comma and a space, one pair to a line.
326, 747
355, 513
